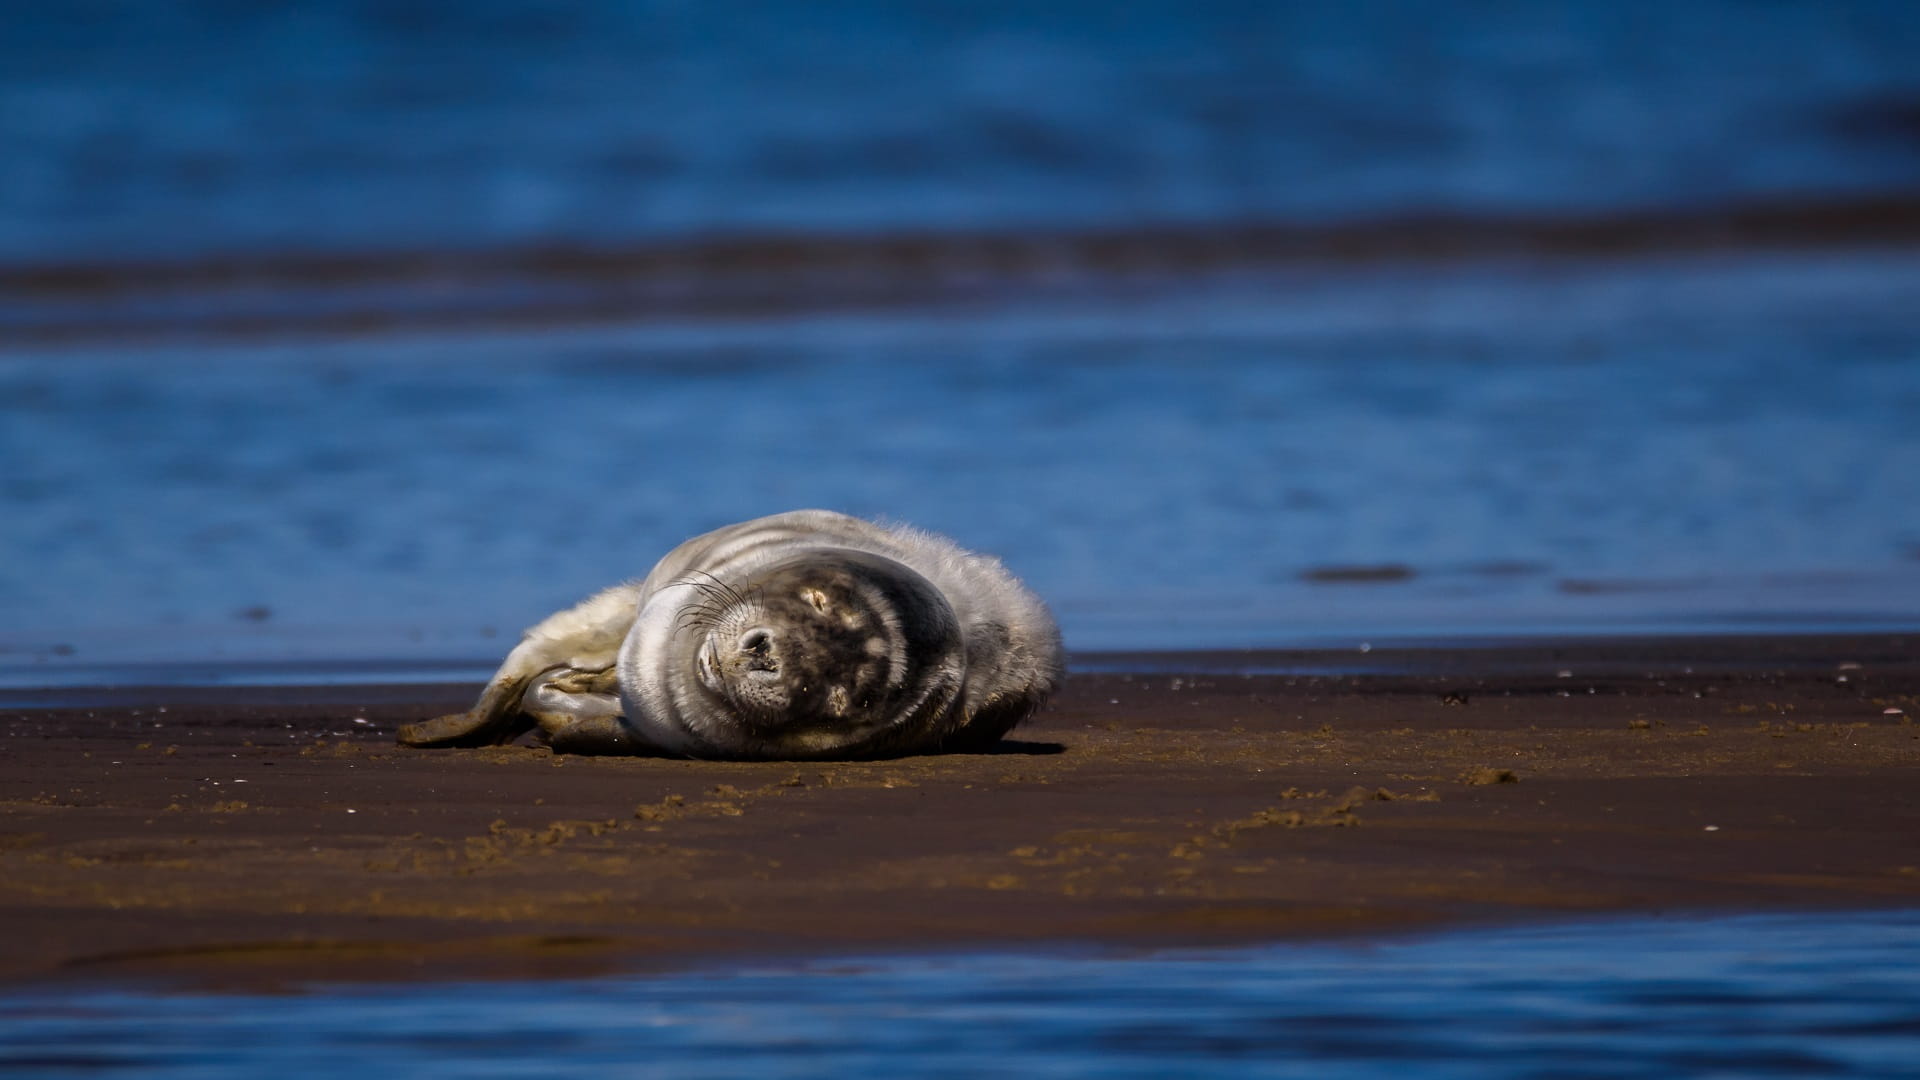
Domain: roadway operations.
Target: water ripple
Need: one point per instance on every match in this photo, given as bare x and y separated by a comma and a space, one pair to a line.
1762, 996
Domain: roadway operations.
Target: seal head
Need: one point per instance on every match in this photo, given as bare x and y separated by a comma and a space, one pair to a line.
827, 652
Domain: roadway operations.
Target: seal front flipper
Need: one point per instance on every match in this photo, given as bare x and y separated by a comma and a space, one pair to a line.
604, 735
579, 712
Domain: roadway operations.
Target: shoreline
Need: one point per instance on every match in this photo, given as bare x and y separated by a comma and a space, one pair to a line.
262, 836
437, 677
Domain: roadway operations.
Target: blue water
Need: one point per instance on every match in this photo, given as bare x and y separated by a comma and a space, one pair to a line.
193, 127
1609, 447
1807, 995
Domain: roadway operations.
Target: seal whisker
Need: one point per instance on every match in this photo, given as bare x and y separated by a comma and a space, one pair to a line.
700, 587
704, 615
715, 582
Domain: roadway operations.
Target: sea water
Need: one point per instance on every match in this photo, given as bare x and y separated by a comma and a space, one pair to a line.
1686, 445
1830, 995
205, 126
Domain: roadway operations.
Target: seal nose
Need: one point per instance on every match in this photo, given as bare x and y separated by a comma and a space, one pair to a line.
756, 648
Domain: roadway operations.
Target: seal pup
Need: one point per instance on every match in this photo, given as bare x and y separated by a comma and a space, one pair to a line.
804, 635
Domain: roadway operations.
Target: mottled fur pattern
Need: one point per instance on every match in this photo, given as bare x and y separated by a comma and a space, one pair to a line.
808, 634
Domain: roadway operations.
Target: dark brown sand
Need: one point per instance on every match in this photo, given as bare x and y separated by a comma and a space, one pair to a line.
354, 294
257, 836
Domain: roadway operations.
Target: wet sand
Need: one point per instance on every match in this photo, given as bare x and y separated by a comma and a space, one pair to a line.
262, 836
775, 275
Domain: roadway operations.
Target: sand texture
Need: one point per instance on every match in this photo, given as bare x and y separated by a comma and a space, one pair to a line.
264, 836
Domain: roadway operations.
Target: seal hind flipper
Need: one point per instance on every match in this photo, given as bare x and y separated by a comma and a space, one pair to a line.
576, 647
496, 718
463, 729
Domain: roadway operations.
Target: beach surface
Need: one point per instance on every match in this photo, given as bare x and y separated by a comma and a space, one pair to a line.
268, 836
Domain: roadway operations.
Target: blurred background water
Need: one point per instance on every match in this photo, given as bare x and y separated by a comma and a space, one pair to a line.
207, 126
348, 330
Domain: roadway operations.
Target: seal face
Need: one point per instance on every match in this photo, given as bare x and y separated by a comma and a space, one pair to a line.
813, 643
803, 635
819, 653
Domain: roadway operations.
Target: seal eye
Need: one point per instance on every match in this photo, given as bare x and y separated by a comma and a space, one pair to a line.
816, 598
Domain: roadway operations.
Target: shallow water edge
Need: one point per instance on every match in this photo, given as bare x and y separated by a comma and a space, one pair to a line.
1783, 994
53, 680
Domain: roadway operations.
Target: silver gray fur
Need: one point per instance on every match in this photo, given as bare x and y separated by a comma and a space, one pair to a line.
804, 635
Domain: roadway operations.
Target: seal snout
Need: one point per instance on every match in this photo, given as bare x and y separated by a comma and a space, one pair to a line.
756, 650
749, 668
754, 653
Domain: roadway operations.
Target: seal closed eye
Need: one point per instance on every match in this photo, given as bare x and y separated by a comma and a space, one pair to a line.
809, 634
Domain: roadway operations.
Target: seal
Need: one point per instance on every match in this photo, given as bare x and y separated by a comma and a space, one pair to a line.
804, 635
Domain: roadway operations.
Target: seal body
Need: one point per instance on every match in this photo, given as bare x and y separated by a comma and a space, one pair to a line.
808, 634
